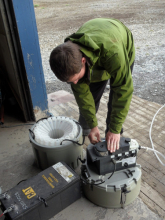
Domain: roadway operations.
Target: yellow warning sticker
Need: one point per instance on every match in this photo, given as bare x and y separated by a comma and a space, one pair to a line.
29, 192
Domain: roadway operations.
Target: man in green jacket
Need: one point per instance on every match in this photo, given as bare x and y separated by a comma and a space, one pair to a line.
101, 50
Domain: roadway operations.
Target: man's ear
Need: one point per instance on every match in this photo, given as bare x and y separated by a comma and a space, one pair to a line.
83, 60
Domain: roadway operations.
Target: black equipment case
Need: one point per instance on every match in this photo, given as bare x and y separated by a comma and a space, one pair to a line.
101, 159
44, 195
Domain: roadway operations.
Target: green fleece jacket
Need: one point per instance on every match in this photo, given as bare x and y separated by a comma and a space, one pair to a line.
109, 47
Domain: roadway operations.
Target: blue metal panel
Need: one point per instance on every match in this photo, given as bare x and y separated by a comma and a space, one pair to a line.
27, 30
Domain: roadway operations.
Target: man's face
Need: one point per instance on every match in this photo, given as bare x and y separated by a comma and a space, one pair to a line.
76, 77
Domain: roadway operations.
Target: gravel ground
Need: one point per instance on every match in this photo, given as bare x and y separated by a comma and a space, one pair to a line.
56, 19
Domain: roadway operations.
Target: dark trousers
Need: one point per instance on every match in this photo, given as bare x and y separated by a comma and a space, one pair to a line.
97, 90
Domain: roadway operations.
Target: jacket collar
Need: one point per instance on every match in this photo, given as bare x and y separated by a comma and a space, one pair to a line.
87, 46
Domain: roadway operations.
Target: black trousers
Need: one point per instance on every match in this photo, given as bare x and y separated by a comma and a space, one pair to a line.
97, 90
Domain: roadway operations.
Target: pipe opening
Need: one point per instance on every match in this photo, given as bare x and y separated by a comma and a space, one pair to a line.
56, 133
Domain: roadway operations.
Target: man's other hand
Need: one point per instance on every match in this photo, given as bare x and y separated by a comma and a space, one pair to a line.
94, 135
112, 141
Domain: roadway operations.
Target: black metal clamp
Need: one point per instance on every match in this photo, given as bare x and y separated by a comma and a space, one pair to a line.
123, 195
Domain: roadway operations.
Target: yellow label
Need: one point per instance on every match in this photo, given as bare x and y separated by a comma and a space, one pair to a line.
53, 177
47, 180
50, 179
29, 192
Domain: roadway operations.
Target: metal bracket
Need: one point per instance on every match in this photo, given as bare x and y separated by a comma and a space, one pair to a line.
123, 199
123, 196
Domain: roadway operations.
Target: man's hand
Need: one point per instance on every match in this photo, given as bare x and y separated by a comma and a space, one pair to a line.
112, 141
94, 135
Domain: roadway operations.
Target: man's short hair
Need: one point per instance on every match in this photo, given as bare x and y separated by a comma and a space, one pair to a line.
66, 60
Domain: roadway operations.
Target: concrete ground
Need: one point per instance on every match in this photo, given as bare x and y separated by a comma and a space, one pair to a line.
17, 159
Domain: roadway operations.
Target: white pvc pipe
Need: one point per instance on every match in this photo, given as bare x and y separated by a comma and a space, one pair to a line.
156, 152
